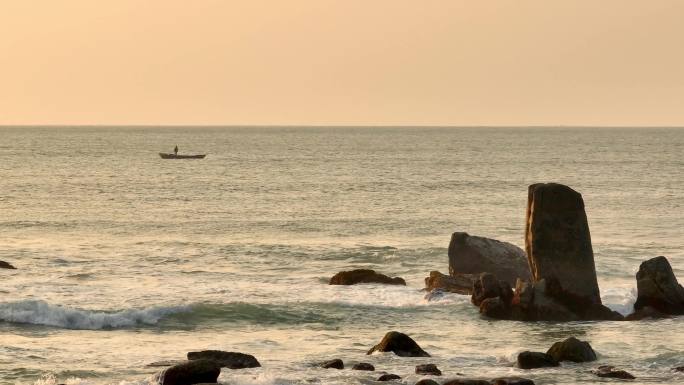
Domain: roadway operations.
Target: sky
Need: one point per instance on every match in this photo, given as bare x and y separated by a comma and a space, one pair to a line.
346, 62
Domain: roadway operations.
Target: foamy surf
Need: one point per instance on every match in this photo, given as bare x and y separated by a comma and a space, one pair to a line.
42, 313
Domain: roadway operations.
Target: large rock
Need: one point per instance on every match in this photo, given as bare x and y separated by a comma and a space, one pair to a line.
533, 360
6, 265
189, 373
558, 242
364, 276
474, 255
457, 283
658, 288
400, 344
573, 350
231, 360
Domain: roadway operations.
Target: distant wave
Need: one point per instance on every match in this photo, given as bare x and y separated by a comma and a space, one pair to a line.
42, 313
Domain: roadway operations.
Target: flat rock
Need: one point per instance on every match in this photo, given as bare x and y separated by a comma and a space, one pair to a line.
190, 373
400, 344
357, 276
332, 364
6, 265
230, 360
428, 369
363, 366
389, 377
457, 283
657, 287
533, 360
609, 371
475, 255
573, 350
558, 242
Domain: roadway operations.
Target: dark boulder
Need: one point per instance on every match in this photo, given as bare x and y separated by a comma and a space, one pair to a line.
573, 350
354, 277
230, 360
457, 283
644, 313
332, 364
679, 369
6, 265
189, 373
533, 360
465, 381
609, 371
400, 344
427, 381
495, 308
428, 369
363, 366
558, 242
488, 286
389, 377
474, 255
512, 381
657, 287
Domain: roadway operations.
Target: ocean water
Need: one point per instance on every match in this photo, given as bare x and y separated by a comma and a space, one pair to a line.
125, 259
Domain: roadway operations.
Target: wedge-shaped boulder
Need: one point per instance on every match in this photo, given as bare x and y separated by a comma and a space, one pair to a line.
400, 344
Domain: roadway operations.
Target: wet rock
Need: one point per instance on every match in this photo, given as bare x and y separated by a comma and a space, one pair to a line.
363, 366
658, 288
6, 265
332, 364
495, 308
610, 372
354, 277
428, 369
400, 344
679, 369
533, 360
189, 373
573, 350
644, 313
230, 360
389, 377
558, 242
457, 283
465, 381
427, 381
488, 286
512, 381
475, 255
434, 295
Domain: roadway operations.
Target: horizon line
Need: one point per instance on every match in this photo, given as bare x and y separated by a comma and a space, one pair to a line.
322, 126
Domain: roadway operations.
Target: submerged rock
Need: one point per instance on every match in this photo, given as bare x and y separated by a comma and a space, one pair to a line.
427, 381
389, 377
573, 350
333, 364
189, 373
474, 255
512, 381
658, 288
679, 369
558, 242
457, 283
610, 372
428, 369
533, 360
400, 344
6, 265
363, 366
230, 360
354, 277
465, 381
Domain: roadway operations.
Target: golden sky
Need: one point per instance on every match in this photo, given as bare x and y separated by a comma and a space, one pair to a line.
345, 62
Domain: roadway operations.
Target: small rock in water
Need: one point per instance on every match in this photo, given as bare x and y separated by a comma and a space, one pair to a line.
512, 381
6, 265
572, 349
230, 360
533, 360
363, 366
400, 344
389, 377
610, 372
465, 381
189, 373
427, 381
333, 364
679, 369
364, 276
434, 295
428, 369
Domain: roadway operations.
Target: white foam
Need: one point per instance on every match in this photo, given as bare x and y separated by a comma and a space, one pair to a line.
42, 313
621, 299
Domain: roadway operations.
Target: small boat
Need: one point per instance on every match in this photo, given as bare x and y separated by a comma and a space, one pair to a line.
176, 156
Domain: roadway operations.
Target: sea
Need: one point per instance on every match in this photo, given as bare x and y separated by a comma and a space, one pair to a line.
125, 259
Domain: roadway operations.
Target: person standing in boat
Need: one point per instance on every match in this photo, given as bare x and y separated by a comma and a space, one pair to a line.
175, 150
